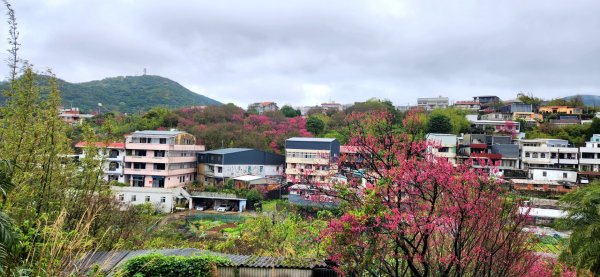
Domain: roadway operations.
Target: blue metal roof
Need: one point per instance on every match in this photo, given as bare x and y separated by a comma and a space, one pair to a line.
226, 151
311, 139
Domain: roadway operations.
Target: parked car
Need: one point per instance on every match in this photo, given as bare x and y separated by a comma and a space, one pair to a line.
201, 207
224, 208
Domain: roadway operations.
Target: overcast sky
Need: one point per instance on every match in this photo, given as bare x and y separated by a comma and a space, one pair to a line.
306, 52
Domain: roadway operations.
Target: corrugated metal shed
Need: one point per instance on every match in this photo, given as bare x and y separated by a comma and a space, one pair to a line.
250, 266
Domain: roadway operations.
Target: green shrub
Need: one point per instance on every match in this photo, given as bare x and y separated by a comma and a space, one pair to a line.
157, 264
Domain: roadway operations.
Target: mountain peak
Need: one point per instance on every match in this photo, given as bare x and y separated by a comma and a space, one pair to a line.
128, 94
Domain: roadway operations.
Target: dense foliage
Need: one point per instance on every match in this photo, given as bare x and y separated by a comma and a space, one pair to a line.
583, 247
130, 94
440, 124
575, 134
172, 266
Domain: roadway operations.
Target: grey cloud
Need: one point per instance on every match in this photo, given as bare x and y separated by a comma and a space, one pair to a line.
305, 52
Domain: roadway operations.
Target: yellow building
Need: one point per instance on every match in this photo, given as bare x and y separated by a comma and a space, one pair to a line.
560, 109
528, 116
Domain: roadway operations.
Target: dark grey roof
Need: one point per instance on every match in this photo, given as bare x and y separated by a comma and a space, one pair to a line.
109, 261
311, 139
226, 151
156, 133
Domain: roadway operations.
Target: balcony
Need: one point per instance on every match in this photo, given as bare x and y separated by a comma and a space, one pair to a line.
153, 172
118, 171
311, 172
115, 158
155, 146
296, 160
146, 159
162, 160
589, 161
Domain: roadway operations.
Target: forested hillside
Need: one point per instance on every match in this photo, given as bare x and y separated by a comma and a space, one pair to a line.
128, 94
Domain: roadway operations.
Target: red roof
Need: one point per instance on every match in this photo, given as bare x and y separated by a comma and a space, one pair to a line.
487, 155
478, 145
118, 145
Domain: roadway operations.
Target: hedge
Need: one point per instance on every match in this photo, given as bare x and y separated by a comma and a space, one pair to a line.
157, 264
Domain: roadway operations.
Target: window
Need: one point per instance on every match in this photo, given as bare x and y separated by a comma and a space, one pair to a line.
147, 198
113, 153
139, 165
219, 169
527, 154
163, 199
159, 153
564, 175
543, 155
535, 155
140, 153
260, 169
159, 166
138, 181
133, 198
162, 141
112, 166
544, 173
122, 197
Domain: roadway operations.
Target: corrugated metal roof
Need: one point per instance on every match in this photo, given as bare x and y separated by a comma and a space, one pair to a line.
226, 151
311, 139
109, 261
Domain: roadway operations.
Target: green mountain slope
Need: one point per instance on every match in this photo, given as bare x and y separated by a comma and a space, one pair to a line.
128, 94
588, 99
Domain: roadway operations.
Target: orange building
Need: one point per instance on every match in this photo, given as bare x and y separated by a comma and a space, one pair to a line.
560, 109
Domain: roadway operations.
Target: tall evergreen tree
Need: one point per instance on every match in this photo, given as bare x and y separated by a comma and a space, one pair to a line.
439, 123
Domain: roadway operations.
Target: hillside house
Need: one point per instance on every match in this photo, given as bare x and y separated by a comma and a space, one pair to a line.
560, 110
217, 166
262, 107
113, 155
160, 159
311, 160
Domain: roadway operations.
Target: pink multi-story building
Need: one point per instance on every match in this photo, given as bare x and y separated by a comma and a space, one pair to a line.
161, 159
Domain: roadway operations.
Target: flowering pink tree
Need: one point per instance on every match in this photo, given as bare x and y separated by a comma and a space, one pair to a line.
421, 216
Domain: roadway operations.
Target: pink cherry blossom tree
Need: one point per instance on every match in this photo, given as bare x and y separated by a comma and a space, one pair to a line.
418, 215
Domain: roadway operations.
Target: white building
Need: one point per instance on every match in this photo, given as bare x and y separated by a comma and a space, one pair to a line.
497, 116
498, 126
113, 155
548, 153
444, 146
551, 174
331, 105
589, 159
550, 159
433, 103
467, 105
311, 160
163, 199
216, 166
